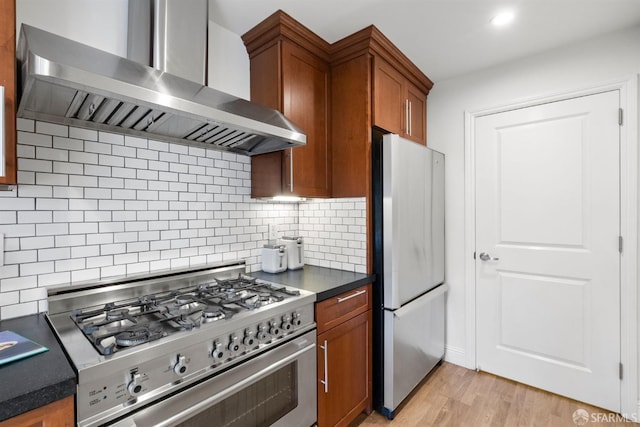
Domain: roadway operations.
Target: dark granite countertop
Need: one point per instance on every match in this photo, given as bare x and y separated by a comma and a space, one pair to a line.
325, 282
38, 380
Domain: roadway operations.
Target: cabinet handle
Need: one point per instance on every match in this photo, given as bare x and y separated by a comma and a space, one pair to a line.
410, 121
360, 292
406, 116
325, 348
291, 169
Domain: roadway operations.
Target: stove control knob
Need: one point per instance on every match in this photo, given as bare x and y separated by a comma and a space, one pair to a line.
233, 343
180, 367
219, 353
134, 388
249, 340
286, 323
297, 319
262, 332
274, 329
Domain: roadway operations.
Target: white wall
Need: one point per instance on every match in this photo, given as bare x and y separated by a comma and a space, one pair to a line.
98, 23
228, 62
575, 67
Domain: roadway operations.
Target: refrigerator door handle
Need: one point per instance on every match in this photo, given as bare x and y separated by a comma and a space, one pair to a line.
431, 295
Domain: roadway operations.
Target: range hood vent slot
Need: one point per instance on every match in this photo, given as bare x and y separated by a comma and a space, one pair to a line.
68, 82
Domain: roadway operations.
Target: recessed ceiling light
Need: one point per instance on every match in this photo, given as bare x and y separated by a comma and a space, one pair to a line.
502, 18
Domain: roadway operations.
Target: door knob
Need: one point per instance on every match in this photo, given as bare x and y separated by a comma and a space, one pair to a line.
486, 257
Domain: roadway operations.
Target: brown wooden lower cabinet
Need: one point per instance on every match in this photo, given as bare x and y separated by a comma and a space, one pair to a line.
56, 414
344, 386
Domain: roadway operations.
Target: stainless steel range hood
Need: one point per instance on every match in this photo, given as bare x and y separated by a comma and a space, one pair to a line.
68, 82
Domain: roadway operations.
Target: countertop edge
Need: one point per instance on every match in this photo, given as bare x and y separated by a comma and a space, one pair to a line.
36, 399
40, 379
330, 293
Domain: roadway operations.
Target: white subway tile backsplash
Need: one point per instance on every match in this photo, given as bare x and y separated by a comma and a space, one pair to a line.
85, 251
68, 144
9, 298
26, 152
83, 134
52, 129
70, 168
107, 160
134, 141
27, 125
131, 162
95, 204
97, 147
36, 139
17, 310
18, 283
54, 279
35, 191
95, 170
83, 181
116, 270
123, 151
8, 217
44, 153
85, 158
70, 240
28, 164
52, 229
330, 239
158, 145
86, 274
70, 264
53, 254
111, 138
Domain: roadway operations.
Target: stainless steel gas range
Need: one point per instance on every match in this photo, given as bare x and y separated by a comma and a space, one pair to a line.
198, 347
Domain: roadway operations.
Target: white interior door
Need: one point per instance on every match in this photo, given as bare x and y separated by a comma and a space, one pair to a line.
548, 226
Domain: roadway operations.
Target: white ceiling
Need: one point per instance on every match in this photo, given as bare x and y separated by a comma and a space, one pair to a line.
445, 38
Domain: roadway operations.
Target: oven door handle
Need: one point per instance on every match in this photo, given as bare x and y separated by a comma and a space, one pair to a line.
172, 419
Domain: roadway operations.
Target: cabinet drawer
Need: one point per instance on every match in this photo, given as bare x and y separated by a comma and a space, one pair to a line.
338, 309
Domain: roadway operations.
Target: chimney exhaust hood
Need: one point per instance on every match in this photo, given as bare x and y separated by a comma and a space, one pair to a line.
67, 82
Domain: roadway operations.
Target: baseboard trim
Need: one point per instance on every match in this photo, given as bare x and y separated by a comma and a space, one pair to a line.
455, 355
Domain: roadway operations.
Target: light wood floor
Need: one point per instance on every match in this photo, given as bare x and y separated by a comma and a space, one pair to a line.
457, 397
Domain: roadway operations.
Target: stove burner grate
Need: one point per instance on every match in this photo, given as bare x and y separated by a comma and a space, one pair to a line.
139, 335
128, 323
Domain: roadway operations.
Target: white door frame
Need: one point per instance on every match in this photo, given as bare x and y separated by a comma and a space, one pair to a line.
629, 165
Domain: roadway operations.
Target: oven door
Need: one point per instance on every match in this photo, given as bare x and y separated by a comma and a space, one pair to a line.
276, 388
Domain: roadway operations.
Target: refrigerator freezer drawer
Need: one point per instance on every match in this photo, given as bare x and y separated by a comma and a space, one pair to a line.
413, 345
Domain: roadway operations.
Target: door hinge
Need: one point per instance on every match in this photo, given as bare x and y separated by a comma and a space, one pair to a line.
620, 370
620, 116
620, 244
474, 255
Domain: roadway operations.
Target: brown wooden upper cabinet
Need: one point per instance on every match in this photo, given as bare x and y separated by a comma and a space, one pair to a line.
335, 94
290, 72
373, 84
8, 173
398, 105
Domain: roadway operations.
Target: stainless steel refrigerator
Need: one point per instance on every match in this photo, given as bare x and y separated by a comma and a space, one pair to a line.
409, 292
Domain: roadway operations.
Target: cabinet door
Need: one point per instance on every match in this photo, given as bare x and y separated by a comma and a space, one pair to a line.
8, 81
347, 351
417, 106
389, 101
305, 82
267, 177
60, 413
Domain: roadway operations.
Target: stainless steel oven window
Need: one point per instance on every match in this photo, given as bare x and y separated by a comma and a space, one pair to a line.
259, 405
276, 388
